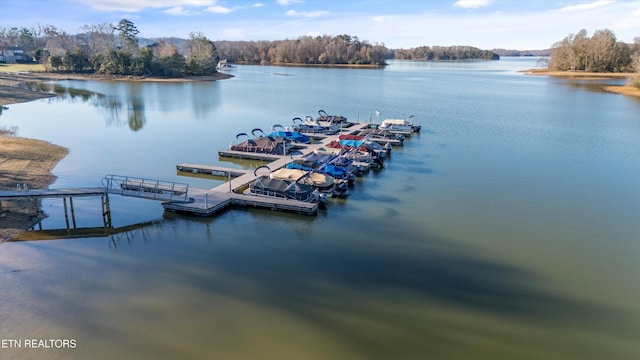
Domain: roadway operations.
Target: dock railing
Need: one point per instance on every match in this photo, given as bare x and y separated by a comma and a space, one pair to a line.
146, 188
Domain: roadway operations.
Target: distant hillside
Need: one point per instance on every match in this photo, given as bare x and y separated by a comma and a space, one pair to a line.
505, 52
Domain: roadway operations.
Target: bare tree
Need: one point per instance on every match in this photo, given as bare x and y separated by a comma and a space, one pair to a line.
634, 80
601, 50
58, 42
598, 53
100, 38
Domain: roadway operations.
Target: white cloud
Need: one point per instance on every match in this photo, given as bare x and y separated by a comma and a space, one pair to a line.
307, 14
177, 10
472, 4
258, 5
217, 9
378, 18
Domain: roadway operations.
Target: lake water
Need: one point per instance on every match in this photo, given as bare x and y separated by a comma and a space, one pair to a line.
509, 228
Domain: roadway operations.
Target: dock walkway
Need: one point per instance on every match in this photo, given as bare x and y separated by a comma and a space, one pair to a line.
50, 193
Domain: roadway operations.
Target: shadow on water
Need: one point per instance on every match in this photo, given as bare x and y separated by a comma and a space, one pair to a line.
346, 285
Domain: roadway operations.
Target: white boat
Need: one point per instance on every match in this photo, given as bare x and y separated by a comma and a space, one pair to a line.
309, 125
400, 125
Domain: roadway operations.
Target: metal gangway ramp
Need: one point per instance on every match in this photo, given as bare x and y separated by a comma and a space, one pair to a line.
146, 188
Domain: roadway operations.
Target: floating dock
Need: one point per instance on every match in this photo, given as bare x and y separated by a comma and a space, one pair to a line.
211, 170
179, 197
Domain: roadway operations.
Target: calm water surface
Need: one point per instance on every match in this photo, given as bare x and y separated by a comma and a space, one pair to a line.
507, 229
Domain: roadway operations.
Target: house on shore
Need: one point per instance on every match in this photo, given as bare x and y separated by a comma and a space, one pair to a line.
12, 54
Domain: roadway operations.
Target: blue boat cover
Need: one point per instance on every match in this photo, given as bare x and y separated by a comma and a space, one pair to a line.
291, 135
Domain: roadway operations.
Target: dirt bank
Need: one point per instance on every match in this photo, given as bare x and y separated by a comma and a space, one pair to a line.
24, 161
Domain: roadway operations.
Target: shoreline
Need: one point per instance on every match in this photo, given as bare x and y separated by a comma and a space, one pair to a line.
622, 89
352, 66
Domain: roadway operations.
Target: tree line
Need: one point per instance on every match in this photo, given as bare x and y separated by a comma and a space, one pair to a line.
341, 49
600, 52
453, 53
319, 50
113, 50
116, 49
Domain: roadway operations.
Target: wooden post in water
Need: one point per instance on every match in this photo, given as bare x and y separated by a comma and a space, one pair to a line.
106, 211
66, 216
73, 216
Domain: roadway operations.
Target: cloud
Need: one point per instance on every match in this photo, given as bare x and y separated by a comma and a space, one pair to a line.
589, 6
178, 10
378, 18
217, 9
472, 4
307, 14
258, 5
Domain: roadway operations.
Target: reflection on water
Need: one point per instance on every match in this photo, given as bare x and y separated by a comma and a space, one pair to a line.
119, 113
594, 85
63, 93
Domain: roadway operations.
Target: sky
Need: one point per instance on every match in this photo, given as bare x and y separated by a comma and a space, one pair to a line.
486, 24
